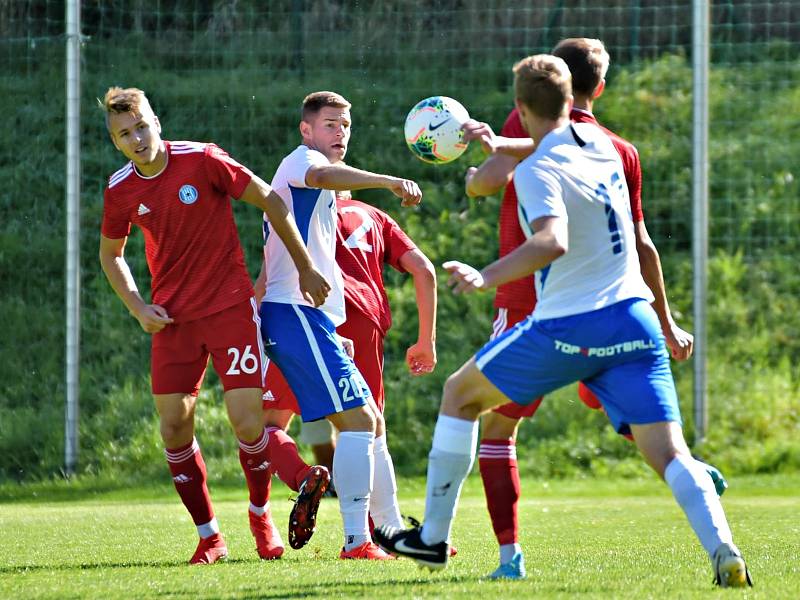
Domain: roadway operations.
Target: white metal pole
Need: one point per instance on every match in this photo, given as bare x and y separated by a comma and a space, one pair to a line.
700, 125
73, 275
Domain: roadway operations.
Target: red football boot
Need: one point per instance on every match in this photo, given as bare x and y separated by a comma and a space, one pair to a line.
209, 550
269, 544
303, 517
366, 551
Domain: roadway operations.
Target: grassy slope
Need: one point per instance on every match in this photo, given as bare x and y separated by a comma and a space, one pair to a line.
596, 539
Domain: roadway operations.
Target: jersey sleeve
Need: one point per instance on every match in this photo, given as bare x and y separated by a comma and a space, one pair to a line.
298, 164
115, 225
539, 193
396, 244
513, 126
225, 173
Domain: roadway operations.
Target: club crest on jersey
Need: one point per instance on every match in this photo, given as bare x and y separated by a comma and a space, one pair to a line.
188, 194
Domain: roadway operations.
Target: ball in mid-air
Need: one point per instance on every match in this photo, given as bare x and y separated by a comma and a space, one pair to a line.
433, 129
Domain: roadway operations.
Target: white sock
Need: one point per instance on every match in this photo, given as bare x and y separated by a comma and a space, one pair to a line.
383, 502
449, 462
208, 529
259, 510
353, 467
694, 491
508, 551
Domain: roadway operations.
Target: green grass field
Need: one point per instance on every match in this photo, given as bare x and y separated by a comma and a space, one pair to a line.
587, 539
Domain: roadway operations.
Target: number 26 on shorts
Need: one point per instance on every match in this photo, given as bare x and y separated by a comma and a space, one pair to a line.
242, 362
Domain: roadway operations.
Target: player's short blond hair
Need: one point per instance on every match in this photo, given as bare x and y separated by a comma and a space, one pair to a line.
542, 83
124, 100
316, 101
587, 60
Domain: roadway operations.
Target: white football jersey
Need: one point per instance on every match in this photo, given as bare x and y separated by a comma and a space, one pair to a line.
576, 174
314, 212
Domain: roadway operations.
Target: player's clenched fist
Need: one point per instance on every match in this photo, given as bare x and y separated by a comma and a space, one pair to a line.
314, 287
408, 191
463, 278
421, 358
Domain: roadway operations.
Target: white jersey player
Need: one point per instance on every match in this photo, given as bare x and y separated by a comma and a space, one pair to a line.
302, 339
314, 211
593, 323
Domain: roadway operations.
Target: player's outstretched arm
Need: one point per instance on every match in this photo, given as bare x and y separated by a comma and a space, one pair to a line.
491, 177
421, 356
151, 317
339, 177
680, 342
312, 283
549, 241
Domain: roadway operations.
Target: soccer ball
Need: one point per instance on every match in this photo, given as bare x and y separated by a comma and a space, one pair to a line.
433, 129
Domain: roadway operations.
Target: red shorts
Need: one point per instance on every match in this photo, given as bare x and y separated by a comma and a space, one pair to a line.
179, 352
368, 343
505, 319
277, 393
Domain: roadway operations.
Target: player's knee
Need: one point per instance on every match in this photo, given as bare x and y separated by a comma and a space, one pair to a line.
247, 426
460, 399
176, 433
495, 426
660, 443
354, 419
380, 424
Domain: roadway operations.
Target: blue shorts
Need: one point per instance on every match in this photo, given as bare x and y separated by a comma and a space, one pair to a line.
617, 351
303, 343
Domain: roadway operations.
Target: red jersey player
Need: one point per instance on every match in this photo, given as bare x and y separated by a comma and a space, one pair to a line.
179, 193
588, 62
367, 238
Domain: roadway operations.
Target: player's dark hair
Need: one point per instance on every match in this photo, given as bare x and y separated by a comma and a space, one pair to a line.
542, 84
587, 60
316, 101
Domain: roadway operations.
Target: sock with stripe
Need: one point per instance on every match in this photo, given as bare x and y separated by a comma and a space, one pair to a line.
497, 460
285, 459
189, 476
254, 458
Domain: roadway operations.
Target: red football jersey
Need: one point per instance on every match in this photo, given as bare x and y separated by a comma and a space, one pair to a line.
521, 294
366, 239
191, 242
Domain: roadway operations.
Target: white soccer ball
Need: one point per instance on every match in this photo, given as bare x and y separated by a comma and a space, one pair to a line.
433, 129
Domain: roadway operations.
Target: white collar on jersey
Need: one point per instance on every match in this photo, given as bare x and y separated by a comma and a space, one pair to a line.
166, 164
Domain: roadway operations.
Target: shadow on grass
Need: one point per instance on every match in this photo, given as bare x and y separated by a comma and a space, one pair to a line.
338, 589
90, 488
155, 564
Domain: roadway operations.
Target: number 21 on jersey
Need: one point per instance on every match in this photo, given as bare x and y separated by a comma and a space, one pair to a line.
604, 194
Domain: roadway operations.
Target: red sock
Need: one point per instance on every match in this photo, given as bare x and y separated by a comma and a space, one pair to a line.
254, 458
498, 464
284, 458
189, 475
